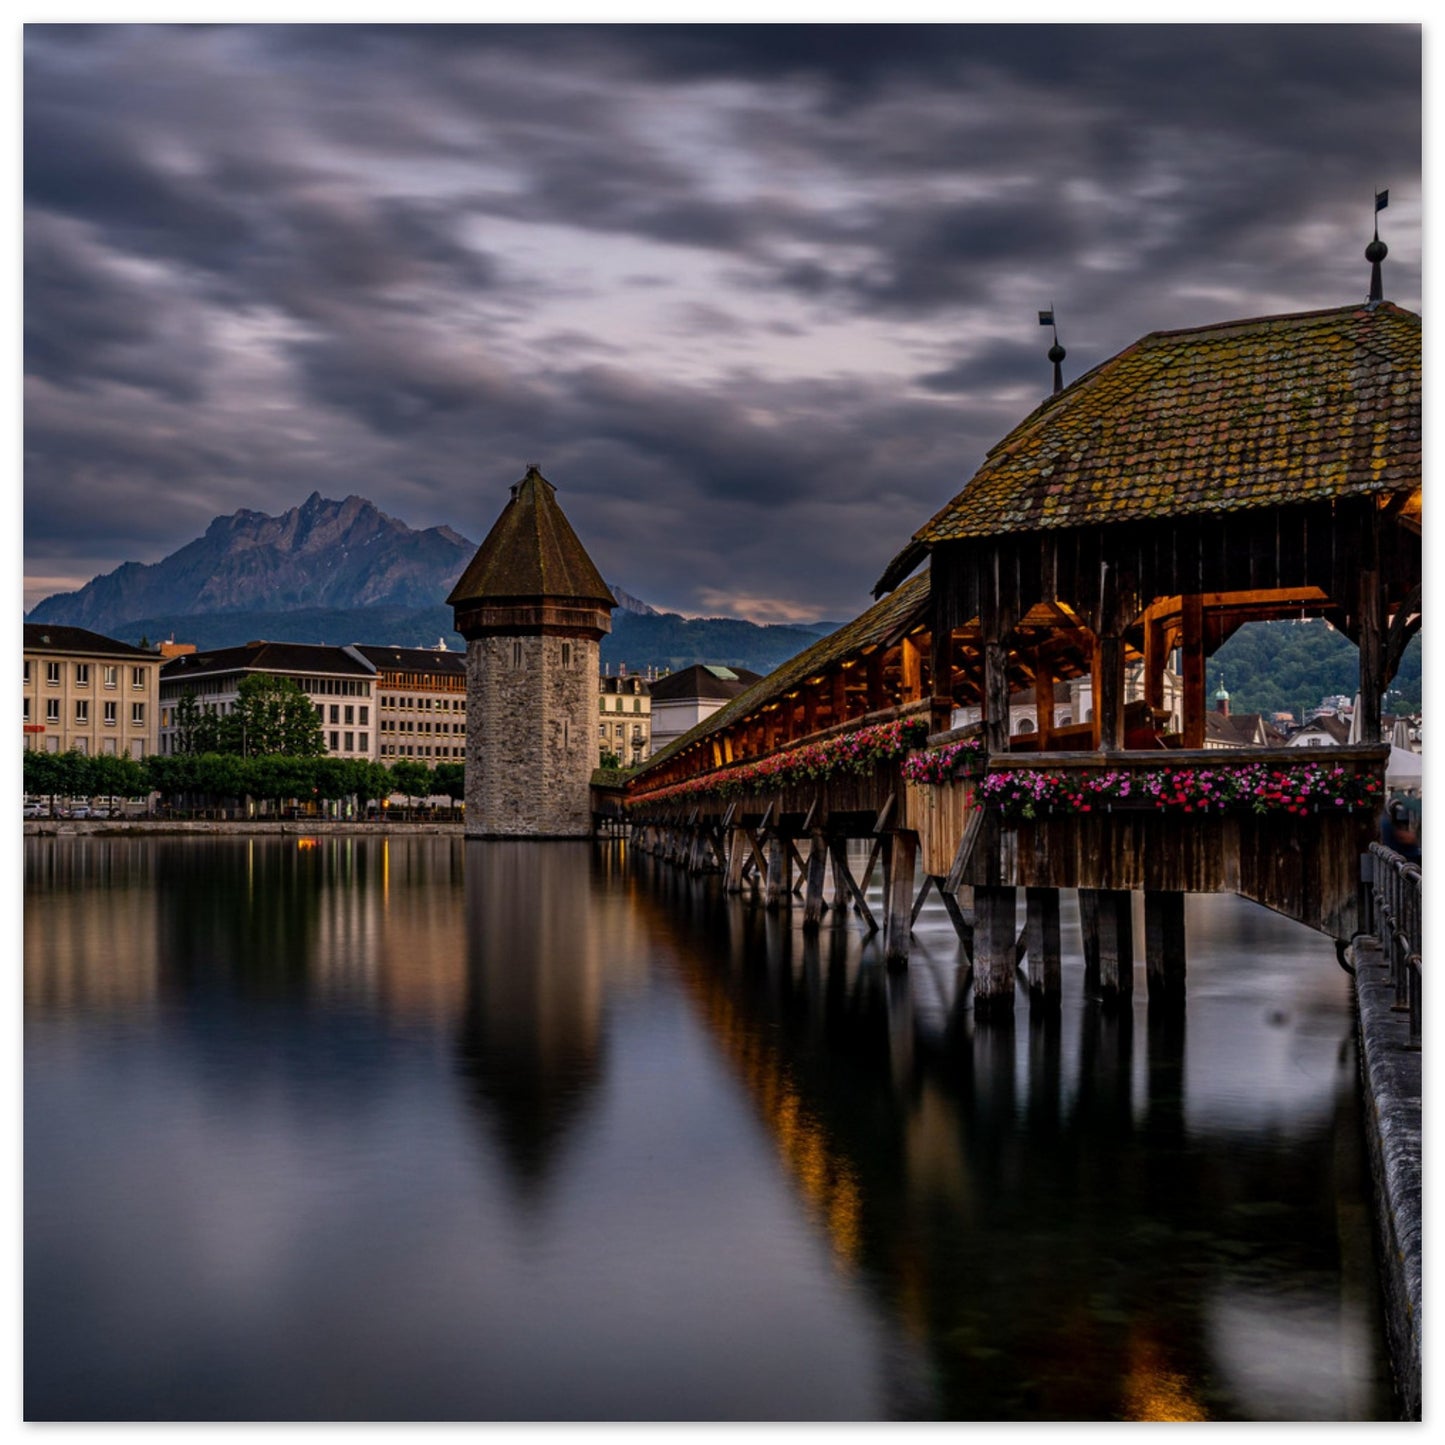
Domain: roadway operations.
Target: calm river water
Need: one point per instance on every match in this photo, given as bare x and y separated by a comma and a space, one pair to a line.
413, 1128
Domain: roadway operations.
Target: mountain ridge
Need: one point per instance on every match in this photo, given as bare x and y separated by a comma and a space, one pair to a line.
343, 572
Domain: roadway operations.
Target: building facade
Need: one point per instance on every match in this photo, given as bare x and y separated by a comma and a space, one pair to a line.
533, 609
624, 727
682, 699
89, 693
421, 703
339, 681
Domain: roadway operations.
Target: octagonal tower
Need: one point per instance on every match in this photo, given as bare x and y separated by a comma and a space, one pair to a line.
533, 608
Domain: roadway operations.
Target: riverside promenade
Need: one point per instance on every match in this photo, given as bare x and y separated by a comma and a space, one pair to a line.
1390, 1070
216, 827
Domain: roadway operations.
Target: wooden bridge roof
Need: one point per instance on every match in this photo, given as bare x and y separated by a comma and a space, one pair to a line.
880, 626
1245, 415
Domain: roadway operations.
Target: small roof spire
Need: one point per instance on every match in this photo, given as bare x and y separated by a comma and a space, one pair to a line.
1377, 250
1056, 352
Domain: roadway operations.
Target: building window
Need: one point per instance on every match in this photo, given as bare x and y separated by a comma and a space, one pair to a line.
109, 674
52, 709
52, 744
27, 669
364, 718
602, 732
335, 712
109, 718
350, 717
637, 704
136, 749
107, 746
335, 741
82, 674
350, 742
81, 745
52, 673
516, 654
27, 709
363, 742
566, 654
82, 711
137, 677
138, 714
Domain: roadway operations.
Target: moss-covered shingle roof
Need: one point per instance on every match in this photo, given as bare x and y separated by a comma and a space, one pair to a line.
1249, 414
880, 625
530, 552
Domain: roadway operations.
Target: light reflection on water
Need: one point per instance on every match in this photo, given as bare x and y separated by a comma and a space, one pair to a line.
417, 1129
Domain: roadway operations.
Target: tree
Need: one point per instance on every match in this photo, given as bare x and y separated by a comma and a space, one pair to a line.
189, 722
272, 715
412, 778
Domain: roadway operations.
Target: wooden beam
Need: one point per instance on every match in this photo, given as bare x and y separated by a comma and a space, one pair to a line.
922, 897
816, 872
838, 847
1109, 694
1192, 627
910, 661
1044, 699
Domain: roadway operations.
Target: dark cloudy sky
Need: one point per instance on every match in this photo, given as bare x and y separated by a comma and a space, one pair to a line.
757, 300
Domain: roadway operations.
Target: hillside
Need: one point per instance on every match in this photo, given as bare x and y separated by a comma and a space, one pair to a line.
1289, 666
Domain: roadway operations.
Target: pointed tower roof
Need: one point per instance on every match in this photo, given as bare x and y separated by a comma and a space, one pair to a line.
531, 571
530, 552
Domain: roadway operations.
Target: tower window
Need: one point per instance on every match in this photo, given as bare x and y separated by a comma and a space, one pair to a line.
566, 654
516, 654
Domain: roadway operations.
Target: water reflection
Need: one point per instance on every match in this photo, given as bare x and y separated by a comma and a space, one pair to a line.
422, 1129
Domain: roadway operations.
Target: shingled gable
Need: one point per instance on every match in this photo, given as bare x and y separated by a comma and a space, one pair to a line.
531, 552
1250, 414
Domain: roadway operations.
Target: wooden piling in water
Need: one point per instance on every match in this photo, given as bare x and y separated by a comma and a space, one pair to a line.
901, 855
1044, 946
1116, 942
1164, 947
995, 947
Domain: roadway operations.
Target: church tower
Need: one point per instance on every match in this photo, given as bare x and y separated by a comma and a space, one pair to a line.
533, 608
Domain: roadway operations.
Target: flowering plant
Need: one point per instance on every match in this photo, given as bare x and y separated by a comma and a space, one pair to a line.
937, 764
852, 752
1247, 787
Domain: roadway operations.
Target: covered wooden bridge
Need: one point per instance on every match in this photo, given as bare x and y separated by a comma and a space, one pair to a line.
1199, 480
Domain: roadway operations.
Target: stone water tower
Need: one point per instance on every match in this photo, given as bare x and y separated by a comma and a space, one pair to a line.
533, 608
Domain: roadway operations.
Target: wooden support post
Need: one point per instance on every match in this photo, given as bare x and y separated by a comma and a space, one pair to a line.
994, 950
839, 849
876, 699
1109, 697
1191, 624
1044, 700
1372, 654
995, 697
898, 901
817, 870
776, 889
1164, 946
1153, 662
1044, 946
962, 925
796, 858
928, 882
1089, 937
737, 859
840, 695
910, 663
1116, 942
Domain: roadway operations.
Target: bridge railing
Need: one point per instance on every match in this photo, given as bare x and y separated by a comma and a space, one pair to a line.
1391, 889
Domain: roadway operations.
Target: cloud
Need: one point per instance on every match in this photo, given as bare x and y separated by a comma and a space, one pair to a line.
758, 298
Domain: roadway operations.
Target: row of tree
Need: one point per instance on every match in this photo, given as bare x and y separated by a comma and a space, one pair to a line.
213, 779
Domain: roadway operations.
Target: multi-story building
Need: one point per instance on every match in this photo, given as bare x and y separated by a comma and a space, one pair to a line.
339, 681
89, 693
625, 708
680, 700
421, 709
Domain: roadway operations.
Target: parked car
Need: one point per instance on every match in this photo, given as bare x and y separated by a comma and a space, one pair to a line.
83, 810
35, 810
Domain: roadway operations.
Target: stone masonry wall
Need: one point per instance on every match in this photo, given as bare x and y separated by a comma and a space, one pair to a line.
531, 745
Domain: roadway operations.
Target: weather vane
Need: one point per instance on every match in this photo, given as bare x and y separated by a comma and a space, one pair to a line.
1056, 352
1377, 250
